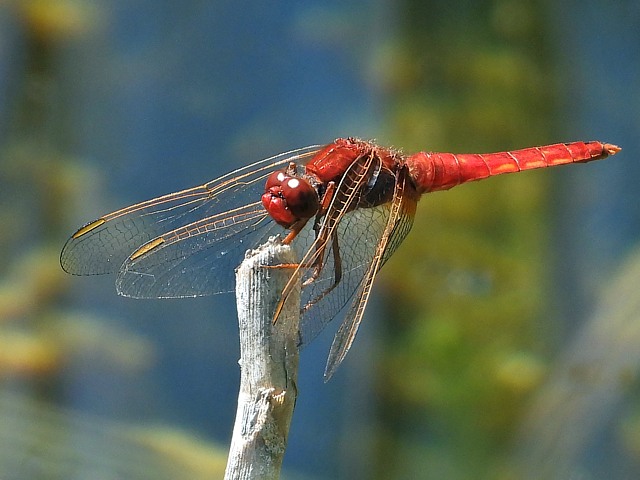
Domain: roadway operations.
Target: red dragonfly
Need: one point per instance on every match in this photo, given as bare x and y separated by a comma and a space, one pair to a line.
345, 208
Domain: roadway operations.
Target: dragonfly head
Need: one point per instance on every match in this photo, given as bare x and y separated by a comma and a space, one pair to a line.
289, 199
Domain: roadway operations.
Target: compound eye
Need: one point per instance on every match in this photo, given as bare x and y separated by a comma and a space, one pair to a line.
275, 179
302, 198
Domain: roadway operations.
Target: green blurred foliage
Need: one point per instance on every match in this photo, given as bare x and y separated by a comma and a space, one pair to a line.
468, 343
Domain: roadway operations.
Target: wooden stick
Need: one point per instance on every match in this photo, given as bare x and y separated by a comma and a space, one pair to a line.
268, 363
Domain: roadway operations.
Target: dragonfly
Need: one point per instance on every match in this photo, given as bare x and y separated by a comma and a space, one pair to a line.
344, 207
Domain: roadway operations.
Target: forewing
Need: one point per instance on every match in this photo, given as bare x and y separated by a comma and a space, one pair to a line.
104, 244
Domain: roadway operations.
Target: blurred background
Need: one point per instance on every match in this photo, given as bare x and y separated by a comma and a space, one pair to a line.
503, 341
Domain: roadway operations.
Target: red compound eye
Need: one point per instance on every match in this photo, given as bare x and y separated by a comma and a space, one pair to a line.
289, 199
275, 179
302, 199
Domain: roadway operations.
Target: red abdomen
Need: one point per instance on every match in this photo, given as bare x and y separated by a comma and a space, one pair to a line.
441, 171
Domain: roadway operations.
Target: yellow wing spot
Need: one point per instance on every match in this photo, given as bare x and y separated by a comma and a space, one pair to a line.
88, 227
147, 247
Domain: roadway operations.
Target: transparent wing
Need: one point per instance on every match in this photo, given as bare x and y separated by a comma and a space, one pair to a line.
227, 209
399, 221
350, 241
197, 259
359, 233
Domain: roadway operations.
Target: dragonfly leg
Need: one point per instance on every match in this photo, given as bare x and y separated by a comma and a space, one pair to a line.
295, 229
327, 197
317, 258
316, 264
337, 275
